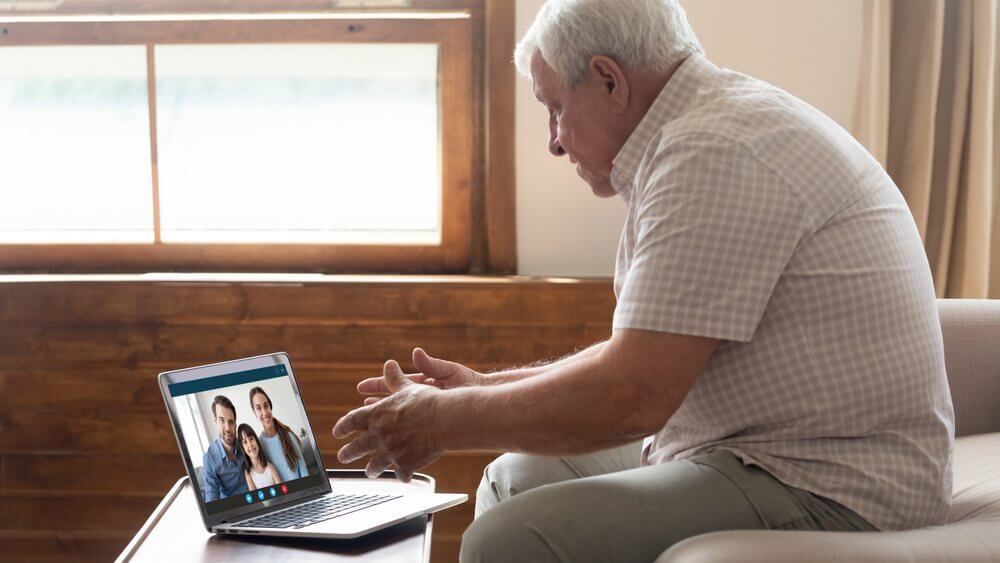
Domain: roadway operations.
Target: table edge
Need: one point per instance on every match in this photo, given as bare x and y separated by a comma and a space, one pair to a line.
168, 499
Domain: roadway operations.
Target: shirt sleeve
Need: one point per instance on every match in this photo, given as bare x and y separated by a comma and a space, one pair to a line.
301, 466
213, 489
714, 231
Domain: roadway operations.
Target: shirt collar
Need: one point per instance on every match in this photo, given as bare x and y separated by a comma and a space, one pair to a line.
219, 451
676, 98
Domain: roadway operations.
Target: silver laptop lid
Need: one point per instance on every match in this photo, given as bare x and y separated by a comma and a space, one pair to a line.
229, 407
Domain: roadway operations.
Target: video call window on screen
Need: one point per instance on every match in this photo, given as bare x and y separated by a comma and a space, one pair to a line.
245, 434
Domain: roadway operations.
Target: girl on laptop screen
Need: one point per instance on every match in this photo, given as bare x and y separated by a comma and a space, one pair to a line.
259, 471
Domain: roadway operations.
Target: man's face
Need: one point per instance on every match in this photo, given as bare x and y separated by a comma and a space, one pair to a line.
579, 124
225, 420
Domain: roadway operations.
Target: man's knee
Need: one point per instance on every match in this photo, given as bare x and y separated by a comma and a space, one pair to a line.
511, 474
503, 535
497, 483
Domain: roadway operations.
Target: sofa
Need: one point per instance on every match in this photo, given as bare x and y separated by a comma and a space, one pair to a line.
971, 331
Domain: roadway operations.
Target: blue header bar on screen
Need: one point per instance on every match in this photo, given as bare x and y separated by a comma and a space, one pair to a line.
228, 380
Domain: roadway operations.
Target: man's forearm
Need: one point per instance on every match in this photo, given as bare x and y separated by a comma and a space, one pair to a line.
579, 407
213, 490
517, 374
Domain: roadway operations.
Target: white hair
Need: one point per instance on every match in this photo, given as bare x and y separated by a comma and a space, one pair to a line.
650, 35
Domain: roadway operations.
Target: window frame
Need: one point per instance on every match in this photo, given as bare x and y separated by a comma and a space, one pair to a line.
462, 137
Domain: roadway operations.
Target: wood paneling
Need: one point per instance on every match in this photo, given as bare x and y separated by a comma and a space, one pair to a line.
48, 546
34, 470
466, 301
181, 345
86, 450
79, 511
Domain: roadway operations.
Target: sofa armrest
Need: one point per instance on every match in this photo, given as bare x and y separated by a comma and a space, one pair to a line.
964, 542
970, 328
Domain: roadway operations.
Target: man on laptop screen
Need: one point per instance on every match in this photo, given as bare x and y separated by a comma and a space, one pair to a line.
223, 462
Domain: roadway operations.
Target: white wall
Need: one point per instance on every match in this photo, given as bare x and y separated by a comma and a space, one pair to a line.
809, 47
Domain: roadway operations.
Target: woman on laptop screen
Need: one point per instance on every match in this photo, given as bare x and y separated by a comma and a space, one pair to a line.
259, 471
277, 440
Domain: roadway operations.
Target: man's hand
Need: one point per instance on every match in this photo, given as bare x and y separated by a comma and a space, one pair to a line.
401, 430
433, 371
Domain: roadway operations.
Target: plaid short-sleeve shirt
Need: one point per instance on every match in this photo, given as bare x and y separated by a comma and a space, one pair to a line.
755, 219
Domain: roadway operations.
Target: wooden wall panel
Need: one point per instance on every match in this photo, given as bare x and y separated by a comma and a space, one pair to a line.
79, 546
147, 346
86, 450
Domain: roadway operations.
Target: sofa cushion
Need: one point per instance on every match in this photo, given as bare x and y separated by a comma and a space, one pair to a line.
971, 536
976, 492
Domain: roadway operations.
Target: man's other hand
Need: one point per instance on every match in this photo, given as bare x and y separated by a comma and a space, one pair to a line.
433, 371
401, 430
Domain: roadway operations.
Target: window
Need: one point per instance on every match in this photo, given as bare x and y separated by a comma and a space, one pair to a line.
321, 140
288, 143
86, 108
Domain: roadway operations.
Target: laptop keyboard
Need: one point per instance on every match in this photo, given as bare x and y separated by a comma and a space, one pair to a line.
318, 510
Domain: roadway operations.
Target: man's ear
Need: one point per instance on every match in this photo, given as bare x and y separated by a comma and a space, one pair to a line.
611, 78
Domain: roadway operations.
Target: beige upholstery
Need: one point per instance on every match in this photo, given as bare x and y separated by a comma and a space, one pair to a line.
972, 353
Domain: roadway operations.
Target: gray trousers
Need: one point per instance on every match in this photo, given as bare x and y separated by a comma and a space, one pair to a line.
604, 507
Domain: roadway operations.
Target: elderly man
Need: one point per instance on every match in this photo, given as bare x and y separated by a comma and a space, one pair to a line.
775, 339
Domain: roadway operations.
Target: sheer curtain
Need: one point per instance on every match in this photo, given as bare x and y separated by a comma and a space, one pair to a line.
929, 110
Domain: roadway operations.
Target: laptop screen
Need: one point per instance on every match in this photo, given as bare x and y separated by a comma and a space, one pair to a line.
247, 437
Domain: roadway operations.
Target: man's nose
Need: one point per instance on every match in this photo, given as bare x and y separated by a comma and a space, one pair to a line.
555, 148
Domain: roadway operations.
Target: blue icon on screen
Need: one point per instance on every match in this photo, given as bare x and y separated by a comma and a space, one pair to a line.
273, 492
260, 495
249, 498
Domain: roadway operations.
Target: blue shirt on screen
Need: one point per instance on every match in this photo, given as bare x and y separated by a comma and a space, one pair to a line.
223, 477
272, 447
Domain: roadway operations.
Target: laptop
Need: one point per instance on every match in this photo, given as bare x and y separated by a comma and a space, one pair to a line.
254, 462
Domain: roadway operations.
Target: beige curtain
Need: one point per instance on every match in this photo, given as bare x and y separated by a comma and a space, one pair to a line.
929, 110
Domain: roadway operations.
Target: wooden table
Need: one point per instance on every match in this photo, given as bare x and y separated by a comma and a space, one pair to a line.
176, 530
